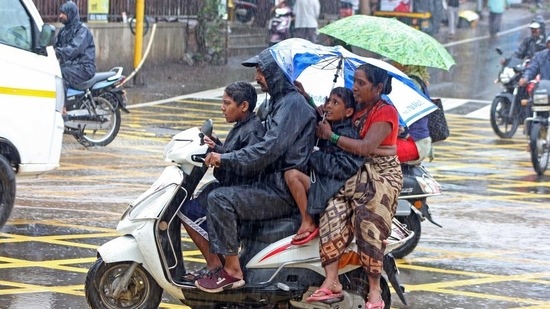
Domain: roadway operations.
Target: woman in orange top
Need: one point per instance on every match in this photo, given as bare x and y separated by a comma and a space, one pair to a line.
374, 190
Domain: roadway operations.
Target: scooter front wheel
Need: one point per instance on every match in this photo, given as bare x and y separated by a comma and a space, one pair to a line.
103, 279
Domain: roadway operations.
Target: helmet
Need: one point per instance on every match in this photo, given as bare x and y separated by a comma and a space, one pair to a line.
534, 25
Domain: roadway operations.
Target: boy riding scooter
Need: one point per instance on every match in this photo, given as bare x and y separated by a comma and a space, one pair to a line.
238, 103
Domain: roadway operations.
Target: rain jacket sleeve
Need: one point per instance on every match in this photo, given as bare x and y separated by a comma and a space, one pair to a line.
75, 45
539, 65
332, 167
288, 124
241, 135
337, 164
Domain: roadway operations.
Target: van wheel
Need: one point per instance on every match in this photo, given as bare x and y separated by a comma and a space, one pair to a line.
7, 190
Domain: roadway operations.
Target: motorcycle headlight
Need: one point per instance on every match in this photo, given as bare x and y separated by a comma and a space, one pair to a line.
506, 75
540, 99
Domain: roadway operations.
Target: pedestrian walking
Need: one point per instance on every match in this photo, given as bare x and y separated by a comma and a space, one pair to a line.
452, 16
496, 8
306, 13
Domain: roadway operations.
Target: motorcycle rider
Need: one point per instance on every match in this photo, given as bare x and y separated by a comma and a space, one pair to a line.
532, 44
540, 64
287, 144
74, 47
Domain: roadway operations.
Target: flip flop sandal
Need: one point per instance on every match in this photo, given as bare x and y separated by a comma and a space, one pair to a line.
305, 240
327, 297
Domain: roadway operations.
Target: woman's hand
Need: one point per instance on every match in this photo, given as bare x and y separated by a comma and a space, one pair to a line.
323, 130
213, 159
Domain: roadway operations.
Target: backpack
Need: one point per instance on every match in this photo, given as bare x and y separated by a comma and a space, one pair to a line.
437, 123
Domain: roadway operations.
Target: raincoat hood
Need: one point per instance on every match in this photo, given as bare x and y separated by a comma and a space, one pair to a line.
278, 84
71, 10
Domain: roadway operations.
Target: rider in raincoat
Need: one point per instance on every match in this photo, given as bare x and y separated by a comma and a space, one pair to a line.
74, 47
287, 144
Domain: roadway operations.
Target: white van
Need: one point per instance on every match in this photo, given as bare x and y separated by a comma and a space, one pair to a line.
31, 98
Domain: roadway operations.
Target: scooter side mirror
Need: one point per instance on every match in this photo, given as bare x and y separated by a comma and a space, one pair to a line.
206, 129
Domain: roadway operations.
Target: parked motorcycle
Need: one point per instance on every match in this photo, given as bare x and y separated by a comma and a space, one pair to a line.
536, 126
133, 270
245, 11
93, 108
278, 27
509, 107
418, 185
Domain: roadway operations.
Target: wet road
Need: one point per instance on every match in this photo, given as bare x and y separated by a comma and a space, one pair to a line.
492, 251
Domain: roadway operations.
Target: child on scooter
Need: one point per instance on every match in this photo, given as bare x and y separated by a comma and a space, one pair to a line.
330, 166
238, 103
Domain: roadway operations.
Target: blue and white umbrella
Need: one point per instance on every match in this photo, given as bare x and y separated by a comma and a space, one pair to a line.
320, 68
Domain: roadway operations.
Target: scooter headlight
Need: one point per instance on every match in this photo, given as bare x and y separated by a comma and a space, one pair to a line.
173, 148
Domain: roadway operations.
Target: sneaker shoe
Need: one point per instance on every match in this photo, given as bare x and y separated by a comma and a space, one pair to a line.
218, 281
194, 276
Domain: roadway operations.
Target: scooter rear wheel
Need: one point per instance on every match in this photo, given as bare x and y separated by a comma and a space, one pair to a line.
102, 279
103, 131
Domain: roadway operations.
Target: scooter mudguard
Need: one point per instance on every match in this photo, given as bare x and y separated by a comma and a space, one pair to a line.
390, 267
121, 249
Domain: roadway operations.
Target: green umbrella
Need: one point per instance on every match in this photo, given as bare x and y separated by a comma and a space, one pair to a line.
390, 38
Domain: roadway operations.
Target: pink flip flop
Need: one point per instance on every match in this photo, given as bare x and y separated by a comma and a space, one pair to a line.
305, 240
327, 296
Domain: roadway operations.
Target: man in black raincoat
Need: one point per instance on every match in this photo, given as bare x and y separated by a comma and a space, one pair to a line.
74, 47
287, 144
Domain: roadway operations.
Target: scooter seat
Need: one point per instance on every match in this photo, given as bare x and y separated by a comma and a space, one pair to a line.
269, 231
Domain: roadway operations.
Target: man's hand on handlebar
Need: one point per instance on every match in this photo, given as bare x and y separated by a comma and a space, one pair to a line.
213, 159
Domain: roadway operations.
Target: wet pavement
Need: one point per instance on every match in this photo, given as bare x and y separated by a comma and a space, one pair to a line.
492, 251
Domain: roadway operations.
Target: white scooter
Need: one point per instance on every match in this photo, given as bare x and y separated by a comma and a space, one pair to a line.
133, 270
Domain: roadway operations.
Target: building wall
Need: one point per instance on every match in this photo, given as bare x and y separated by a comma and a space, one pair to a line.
115, 44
